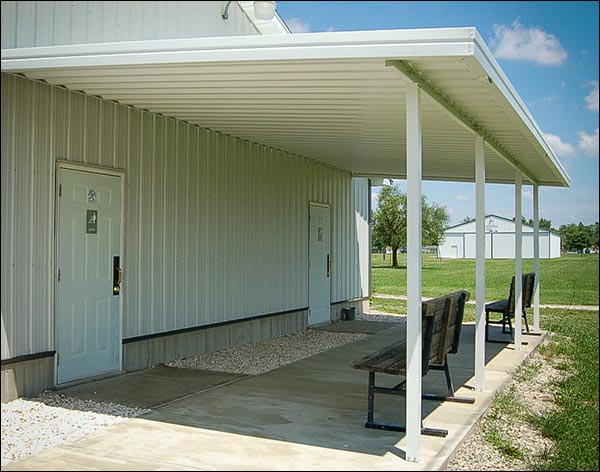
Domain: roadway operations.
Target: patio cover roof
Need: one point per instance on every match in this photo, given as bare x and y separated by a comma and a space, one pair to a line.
333, 97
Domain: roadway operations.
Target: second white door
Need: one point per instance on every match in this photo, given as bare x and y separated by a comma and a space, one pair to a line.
319, 287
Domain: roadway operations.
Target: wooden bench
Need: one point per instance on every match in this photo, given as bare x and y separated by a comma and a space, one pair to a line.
506, 307
441, 326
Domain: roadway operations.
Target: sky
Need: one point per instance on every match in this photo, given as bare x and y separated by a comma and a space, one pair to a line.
548, 50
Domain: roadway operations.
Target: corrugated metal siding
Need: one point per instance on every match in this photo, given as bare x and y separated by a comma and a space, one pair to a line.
216, 227
45, 23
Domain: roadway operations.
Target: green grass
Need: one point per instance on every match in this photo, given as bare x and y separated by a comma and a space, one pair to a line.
574, 426
569, 280
500, 442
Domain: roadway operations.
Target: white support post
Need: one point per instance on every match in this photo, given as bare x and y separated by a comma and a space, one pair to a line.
479, 264
518, 259
536, 258
413, 269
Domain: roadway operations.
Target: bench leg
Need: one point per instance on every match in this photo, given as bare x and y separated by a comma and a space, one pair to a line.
450, 397
371, 397
441, 433
372, 424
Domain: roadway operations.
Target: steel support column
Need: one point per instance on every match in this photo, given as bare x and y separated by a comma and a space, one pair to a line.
518, 258
479, 264
536, 258
413, 269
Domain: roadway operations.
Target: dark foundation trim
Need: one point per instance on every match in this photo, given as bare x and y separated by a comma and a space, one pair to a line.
213, 325
27, 357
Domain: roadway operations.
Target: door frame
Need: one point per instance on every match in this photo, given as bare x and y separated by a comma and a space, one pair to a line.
328, 206
60, 165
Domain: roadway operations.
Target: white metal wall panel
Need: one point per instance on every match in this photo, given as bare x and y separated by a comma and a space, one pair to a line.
554, 250
216, 228
27, 213
503, 245
47, 23
360, 247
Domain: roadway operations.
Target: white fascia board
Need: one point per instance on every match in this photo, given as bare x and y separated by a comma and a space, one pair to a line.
487, 60
387, 44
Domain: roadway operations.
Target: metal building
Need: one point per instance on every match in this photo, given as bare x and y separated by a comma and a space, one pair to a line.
500, 234
131, 238
176, 180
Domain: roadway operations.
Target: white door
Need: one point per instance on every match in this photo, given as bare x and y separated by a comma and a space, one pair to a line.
319, 266
88, 286
454, 252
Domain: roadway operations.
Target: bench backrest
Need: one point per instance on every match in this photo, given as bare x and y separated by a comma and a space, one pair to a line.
527, 291
441, 324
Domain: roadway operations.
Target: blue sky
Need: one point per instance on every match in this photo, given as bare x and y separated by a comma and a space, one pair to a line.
548, 50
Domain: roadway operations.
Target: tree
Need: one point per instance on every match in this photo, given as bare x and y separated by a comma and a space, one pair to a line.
389, 222
576, 237
467, 219
435, 222
377, 243
544, 224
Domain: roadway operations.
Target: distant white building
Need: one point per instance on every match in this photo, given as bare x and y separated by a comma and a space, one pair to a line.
459, 241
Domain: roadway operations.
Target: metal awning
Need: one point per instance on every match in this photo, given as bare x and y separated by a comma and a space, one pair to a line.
335, 97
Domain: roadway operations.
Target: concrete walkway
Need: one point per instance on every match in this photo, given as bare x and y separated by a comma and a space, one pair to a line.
472, 302
305, 416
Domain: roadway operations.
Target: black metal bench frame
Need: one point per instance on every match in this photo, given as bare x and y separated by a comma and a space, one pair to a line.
455, 301
506, 307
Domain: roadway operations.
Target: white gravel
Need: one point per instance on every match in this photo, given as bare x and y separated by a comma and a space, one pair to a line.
50, 419
260, 357
534, 395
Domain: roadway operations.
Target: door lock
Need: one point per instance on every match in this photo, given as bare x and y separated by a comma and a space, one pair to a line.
117, 275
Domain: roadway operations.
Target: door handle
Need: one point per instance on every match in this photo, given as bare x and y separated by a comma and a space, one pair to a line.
117, 275
328, 265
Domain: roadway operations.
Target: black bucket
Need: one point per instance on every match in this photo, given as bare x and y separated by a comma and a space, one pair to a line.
348, 313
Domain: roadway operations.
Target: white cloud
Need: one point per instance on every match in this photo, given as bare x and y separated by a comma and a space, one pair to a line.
547, 101
518, 43
588, 143
591, 101
559, 147
462, 198
527, 195
296, 25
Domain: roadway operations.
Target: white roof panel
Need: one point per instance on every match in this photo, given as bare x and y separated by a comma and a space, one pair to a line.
334, 97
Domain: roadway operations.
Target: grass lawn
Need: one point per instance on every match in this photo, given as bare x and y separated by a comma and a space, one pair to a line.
569, 280
574, 425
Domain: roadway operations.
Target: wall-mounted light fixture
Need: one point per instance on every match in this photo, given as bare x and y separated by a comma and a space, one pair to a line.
262, 10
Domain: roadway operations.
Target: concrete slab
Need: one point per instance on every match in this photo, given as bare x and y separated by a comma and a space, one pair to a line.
150, 388
305, 416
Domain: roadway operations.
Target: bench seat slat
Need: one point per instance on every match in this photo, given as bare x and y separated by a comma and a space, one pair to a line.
500, 306
388, 360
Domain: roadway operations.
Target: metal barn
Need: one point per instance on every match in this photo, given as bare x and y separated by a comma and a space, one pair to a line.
500, 234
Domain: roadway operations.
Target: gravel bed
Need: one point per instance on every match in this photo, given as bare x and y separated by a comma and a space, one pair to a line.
534, 395
30, 425
260, 357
